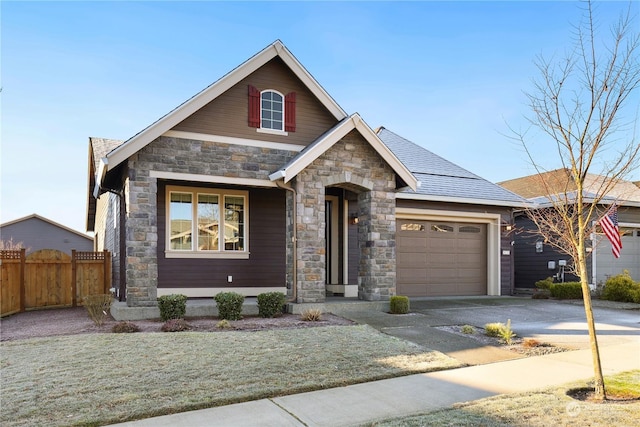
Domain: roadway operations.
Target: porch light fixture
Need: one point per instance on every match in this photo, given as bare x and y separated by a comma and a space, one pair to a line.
354, 219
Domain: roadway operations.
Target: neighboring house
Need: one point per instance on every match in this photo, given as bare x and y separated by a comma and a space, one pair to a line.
36, 232
532, 254
262, 182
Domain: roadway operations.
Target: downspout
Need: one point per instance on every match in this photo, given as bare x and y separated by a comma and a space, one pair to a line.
294, 238
122, 245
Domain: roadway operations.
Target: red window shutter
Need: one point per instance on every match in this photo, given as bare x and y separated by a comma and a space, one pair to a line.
290, 112
254, 107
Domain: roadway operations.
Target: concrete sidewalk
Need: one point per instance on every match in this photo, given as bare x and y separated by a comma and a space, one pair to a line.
413, 394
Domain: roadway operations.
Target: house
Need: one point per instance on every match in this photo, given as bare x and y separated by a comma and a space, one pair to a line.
262, 182
535, 259
35, 232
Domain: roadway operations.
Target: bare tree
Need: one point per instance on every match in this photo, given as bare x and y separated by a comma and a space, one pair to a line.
579, 105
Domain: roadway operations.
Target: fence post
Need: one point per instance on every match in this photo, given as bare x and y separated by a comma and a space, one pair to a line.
23, 266
106, 277
74, 286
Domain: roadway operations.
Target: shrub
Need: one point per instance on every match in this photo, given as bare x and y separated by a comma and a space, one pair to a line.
567, 290
399, 304
223, 324
172, 306
493, 329
125, 328
311, 315
621, 288
531, 343
544, 283
270, 304
468, 329
506, 334
98, 307
500, 330
176, 325
229, 305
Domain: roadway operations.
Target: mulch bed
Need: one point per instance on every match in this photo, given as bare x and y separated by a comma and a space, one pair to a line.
71, 321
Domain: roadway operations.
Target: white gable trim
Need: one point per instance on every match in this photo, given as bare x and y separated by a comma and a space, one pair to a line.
176, 176
139, 141
233, 140
336, 134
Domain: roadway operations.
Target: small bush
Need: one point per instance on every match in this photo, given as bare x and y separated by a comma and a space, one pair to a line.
567, 290
311, 315
399, 304
500, 330
98, 307
125, 328
544, 283
621, 288
223, 324
229, 305
493, 329
531, 343
270, 304
176, 325
172, 306
468, 329
506, 334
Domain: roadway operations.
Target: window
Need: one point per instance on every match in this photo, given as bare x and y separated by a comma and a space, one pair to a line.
469, 229
206, 222
411, 227
271, 110
442, 228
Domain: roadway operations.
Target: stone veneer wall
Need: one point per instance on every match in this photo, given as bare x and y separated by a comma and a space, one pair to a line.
178, 155
353, 164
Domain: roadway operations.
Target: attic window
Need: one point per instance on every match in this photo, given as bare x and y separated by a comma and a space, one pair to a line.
271, 112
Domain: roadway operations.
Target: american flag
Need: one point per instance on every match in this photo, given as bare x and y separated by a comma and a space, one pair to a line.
609, 224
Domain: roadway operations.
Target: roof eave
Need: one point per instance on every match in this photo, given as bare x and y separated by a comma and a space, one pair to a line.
465, 200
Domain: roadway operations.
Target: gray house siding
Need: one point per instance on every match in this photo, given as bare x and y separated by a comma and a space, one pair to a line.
38, 233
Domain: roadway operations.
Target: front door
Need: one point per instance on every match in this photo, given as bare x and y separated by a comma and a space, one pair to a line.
332, 237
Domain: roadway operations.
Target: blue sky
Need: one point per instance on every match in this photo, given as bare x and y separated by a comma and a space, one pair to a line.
449, 76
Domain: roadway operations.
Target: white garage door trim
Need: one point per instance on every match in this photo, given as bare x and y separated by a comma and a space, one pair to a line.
493, 235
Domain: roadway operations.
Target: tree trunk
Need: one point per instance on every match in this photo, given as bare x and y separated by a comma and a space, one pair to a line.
600, 392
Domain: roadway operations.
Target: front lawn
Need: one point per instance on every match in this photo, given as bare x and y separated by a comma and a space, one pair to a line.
550, 407
99, 379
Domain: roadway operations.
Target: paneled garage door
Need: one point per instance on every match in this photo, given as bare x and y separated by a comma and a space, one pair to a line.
441, 258
607, 265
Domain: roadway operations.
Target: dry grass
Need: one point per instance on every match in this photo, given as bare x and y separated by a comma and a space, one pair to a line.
100, 379
551, 407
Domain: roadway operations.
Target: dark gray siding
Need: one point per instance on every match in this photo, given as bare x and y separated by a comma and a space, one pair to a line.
266, 265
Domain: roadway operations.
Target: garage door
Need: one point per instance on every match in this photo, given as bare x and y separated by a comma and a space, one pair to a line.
607, 265
441, 258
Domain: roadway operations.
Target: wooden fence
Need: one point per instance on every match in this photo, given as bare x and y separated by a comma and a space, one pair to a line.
49, 278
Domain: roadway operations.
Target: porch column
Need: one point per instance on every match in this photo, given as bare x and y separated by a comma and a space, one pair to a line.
311, 247
377, 243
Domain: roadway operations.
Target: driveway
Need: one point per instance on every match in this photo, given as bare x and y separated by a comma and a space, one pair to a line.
560, 323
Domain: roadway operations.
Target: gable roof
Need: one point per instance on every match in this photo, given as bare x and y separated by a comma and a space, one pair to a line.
441, 180
333, 135
558, 183
276, 49
41, 218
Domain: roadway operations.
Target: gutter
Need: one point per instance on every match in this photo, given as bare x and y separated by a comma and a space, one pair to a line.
294, 239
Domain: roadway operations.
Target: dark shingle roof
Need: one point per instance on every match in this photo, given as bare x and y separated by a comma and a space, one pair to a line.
440, 178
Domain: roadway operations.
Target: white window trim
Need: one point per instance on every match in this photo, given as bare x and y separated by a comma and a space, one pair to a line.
269, 130
221, 193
